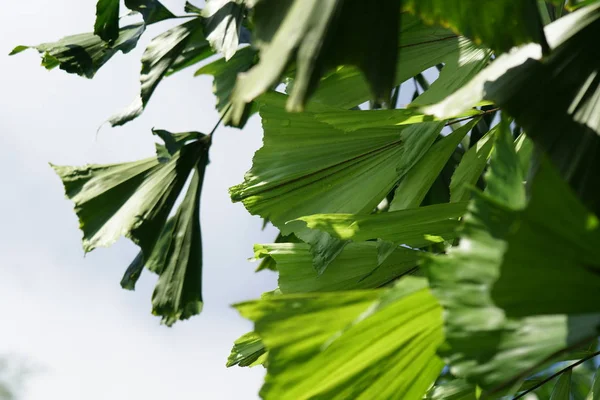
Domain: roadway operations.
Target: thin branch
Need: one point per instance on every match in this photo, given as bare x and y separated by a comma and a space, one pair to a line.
473, 116
214, 129
548, 379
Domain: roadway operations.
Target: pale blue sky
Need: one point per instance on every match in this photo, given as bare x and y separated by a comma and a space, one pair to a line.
67, 314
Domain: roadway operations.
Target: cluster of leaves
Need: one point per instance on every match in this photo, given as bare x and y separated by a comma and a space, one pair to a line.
448, 249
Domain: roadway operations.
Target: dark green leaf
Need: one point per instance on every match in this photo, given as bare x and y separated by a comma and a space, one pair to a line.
107, 20
135, 199
178, 293
86, 53
225, 74
566, 124
152, 10
562, 389
159, 57
519, 21
319, 35
497, 347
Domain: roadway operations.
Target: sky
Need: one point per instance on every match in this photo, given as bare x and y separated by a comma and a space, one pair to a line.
65, 315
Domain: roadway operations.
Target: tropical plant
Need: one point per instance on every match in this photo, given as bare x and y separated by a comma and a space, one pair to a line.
447, 249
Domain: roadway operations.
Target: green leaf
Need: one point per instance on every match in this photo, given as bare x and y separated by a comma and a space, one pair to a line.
595, 392
414, 186
223, 24
135, 200
319, 35
410, 227
247, 351
490, 341
307, 167
566, 124
107, 20
159, 57
354, 268
178, 293
225, 74
419, 47
456, 389
152, 10
482, 21
362, 344
562, 389
457, 72
471, 167
84, 54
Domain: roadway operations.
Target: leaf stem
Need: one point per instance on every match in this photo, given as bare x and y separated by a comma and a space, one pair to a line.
556, 374
473, 116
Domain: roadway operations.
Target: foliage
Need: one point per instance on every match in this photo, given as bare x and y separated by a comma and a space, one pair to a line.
447, 249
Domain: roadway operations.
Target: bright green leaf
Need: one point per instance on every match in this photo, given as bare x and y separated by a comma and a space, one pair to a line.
356, 267
405, 226
414, 186
358, 345
247, 351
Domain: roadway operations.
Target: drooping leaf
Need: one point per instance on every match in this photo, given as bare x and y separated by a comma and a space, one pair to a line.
414, 186
84, 54
223, 25
354, 268
482, 21
319, 35
308, 167
247, 351
490, 342
412, 227
152, 10
361, 344
107, 20
566, 124
225, 74
178, 293
159, 57
135, 200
